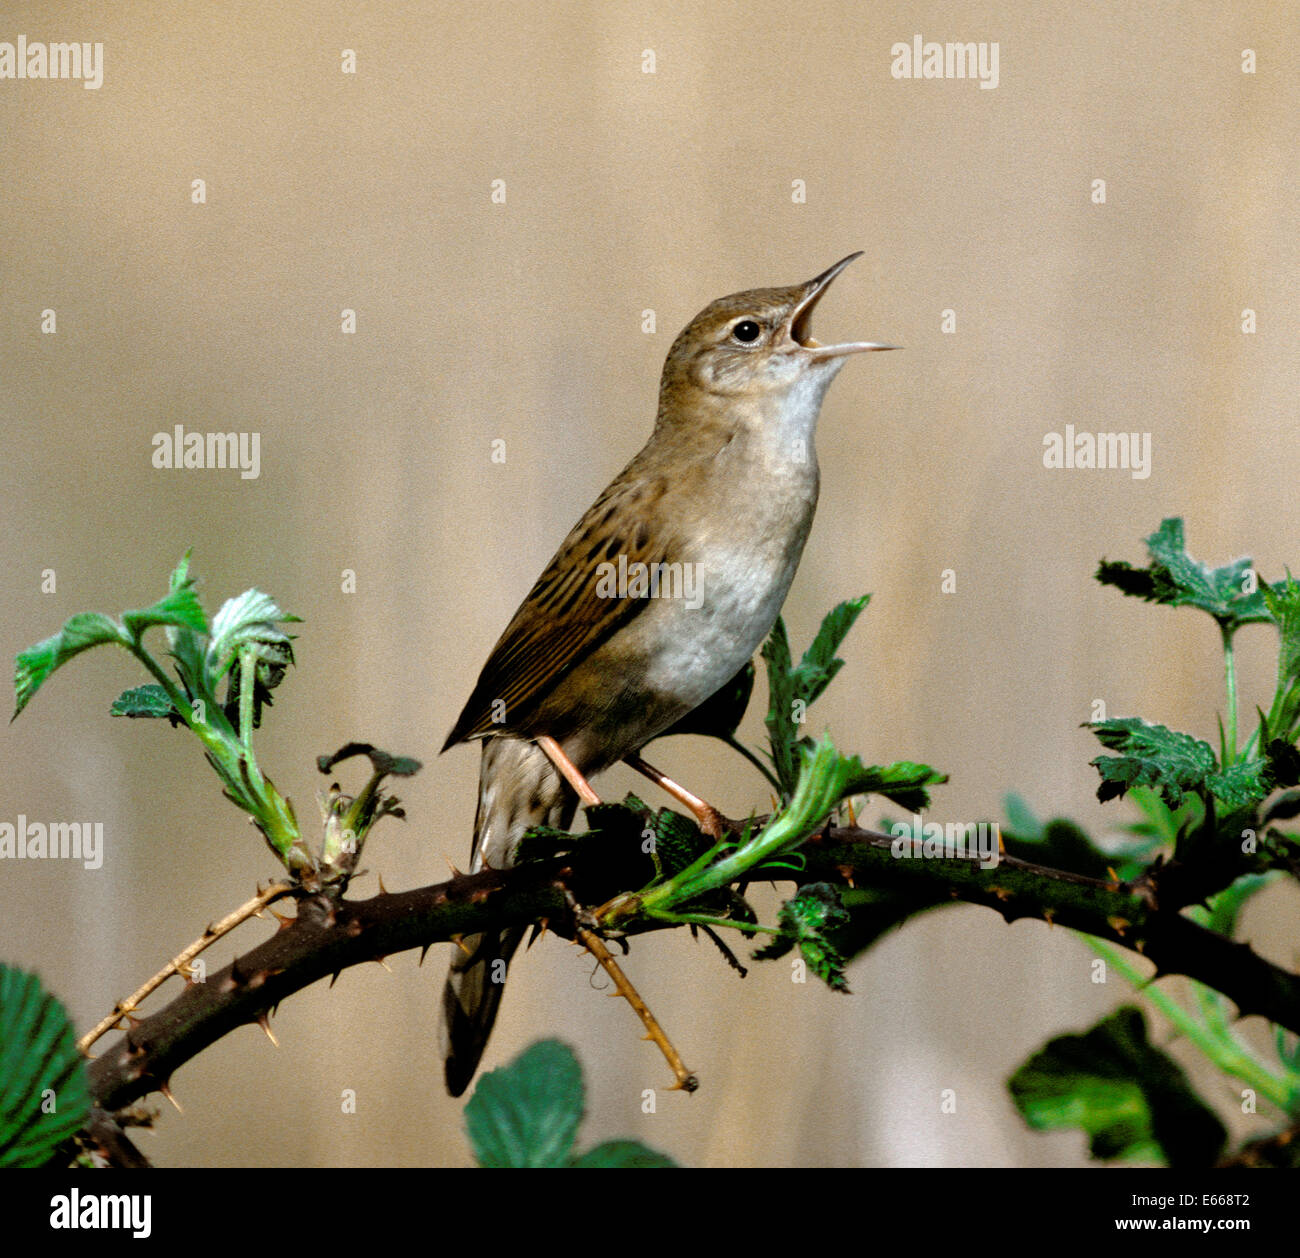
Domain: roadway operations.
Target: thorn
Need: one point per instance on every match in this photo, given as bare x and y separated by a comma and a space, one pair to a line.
384, 962
1049, 916
459, 941
1118, 924
1002, 847
264, 1022
455, 873
544, 925
846, 872
383, 890
423, 953
284, 921
1114, 877
167, 1092
853, 816
1002, 893
334, 978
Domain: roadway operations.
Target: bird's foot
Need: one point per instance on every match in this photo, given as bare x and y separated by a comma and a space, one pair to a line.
710, 820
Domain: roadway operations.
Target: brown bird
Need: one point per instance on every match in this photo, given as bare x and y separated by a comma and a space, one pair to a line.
655, 600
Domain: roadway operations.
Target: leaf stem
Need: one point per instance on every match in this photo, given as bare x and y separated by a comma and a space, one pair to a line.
1230, 682
737, 746
704, 919
1223, 1048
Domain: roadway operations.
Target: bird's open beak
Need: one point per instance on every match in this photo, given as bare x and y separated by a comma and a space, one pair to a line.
798, 328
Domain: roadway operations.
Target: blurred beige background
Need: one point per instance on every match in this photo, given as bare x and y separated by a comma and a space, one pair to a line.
629, 191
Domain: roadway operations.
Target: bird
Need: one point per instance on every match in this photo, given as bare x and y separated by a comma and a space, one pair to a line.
657, 599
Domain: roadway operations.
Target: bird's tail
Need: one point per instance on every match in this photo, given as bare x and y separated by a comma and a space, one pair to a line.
518, 788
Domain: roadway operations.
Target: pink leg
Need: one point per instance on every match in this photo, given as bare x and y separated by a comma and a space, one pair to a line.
568, 770
710, 819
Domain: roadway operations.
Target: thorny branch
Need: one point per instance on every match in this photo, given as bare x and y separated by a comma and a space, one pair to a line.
328, 935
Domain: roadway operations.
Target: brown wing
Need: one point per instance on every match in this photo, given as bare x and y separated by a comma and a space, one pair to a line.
564, 619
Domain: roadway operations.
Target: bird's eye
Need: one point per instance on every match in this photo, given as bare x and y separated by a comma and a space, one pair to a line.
747, 331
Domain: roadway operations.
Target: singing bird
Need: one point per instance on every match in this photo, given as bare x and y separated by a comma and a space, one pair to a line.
592, 666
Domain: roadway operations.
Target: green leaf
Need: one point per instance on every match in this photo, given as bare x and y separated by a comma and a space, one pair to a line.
782, 730
1177, 580
79, 633
1175, 765
622, 1154
1021, 819
178, 608
527, 1113
40, 1069
1130, 1098
819, 665
678, 843
826, 778
810, 918
1154, 756
150, 700
789, 685
1226, 907
1062, 844
903, 782
1283, 602
1242, 783
250, 619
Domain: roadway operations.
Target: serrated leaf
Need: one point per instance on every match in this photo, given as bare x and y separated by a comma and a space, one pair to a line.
1240, 784
527, 1113
782, 730
826, 777
39, 1063
679, 842
810, 918
178, 608
1130, 1098
1152, 755
904, 782
1283, 601
36, 663
250, 619
790, 685
151, 700
622, 1155
1177, 580
819, 664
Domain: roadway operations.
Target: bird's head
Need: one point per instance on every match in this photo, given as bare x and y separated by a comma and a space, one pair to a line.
758, 345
